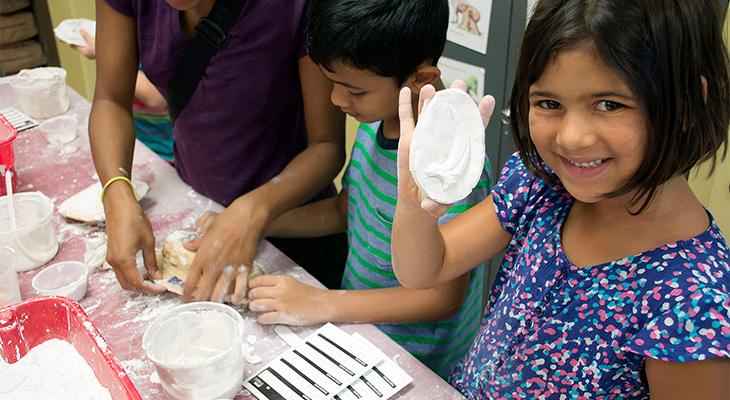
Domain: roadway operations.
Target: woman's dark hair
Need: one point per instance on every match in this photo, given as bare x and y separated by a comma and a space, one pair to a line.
662, 49
388, 37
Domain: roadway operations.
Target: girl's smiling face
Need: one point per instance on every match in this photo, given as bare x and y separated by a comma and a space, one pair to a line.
586, 124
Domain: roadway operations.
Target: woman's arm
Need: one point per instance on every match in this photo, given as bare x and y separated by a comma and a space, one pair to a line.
706, 380
284, 300
233, 239
111, 133
424, 254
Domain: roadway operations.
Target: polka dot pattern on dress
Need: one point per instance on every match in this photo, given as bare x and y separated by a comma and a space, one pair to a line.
552, 330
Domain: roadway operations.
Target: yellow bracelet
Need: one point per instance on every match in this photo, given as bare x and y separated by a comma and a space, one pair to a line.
116, 179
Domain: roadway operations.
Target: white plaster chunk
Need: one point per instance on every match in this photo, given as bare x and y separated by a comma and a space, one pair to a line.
447, 152
85, 206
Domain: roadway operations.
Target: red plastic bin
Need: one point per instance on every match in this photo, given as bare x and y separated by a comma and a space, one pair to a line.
7, 160
30, 323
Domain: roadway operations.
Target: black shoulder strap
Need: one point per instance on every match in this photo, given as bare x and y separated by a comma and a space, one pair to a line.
211, 33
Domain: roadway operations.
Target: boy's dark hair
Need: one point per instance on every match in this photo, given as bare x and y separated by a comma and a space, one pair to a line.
388, 37
661, 49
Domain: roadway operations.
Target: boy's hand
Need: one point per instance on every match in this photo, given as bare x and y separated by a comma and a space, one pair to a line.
408, 191
225, 253
283, 300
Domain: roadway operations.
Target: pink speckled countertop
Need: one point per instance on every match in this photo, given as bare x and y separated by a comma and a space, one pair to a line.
122, 316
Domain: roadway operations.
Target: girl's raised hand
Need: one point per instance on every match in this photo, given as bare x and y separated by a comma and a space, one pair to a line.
408, 192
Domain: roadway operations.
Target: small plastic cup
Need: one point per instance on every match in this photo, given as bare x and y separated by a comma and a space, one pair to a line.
34, 237
9, 286
7, 156
60, 130
196, 349
41, 92
66, 278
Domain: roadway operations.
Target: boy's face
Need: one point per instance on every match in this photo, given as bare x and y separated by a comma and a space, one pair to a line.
362, 94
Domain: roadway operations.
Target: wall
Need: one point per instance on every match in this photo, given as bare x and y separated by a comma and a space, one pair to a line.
714, 191
81, 71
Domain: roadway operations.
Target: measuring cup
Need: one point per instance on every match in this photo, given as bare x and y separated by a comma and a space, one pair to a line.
41, 91
7, 157
9, 286
196, 349
34, 237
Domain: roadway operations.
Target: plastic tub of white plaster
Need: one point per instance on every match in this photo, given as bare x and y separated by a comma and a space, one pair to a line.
196, 349
66, 278
60, 130
34, 237
41, 91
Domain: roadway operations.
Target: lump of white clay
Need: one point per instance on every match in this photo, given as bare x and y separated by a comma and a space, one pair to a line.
447, 152
175, 262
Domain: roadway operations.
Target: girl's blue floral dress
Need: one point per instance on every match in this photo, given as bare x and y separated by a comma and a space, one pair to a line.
555, 331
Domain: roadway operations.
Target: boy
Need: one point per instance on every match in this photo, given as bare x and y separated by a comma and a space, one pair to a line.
369, 50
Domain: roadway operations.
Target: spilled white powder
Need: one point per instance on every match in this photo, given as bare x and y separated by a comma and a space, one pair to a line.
53, 370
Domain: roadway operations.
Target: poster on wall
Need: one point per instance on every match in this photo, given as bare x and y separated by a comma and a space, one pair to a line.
472, 75
469, 23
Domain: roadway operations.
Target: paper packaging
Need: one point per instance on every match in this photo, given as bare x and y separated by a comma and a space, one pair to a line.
329, 364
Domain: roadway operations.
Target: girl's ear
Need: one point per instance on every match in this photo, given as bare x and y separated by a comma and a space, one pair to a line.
703, 80
425, 74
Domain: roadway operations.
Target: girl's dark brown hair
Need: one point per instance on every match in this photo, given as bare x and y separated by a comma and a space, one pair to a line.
662, 49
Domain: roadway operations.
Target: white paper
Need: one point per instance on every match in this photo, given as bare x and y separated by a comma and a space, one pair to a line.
69, 31
469, 23
472, 75
382, 382
17, 119
303, 373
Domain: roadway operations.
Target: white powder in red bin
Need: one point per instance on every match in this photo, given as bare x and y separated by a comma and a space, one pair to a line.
53, 370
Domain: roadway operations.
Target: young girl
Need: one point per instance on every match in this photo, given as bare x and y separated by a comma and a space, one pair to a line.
615, 279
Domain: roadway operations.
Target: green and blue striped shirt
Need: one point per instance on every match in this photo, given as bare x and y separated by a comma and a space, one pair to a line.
372, 186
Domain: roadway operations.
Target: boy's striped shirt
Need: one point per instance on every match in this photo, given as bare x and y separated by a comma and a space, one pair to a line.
372, 185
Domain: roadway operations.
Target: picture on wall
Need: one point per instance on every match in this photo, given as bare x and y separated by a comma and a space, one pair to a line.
469, 23
472, 75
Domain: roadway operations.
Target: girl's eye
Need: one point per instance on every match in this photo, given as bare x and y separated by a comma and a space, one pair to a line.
549, 104
607, 105
357, 94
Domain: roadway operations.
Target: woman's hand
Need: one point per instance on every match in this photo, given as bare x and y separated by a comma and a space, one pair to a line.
409, 194
129, 231
225, 251
282, 299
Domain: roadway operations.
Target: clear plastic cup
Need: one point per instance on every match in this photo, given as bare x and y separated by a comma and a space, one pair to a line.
66, 278
41, 92
196, 349
9, 286
60, 130
34, 237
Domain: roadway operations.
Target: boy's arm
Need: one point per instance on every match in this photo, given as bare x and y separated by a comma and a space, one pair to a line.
284, 300
321, 218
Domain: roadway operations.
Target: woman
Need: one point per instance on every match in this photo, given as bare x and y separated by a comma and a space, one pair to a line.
258, 135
